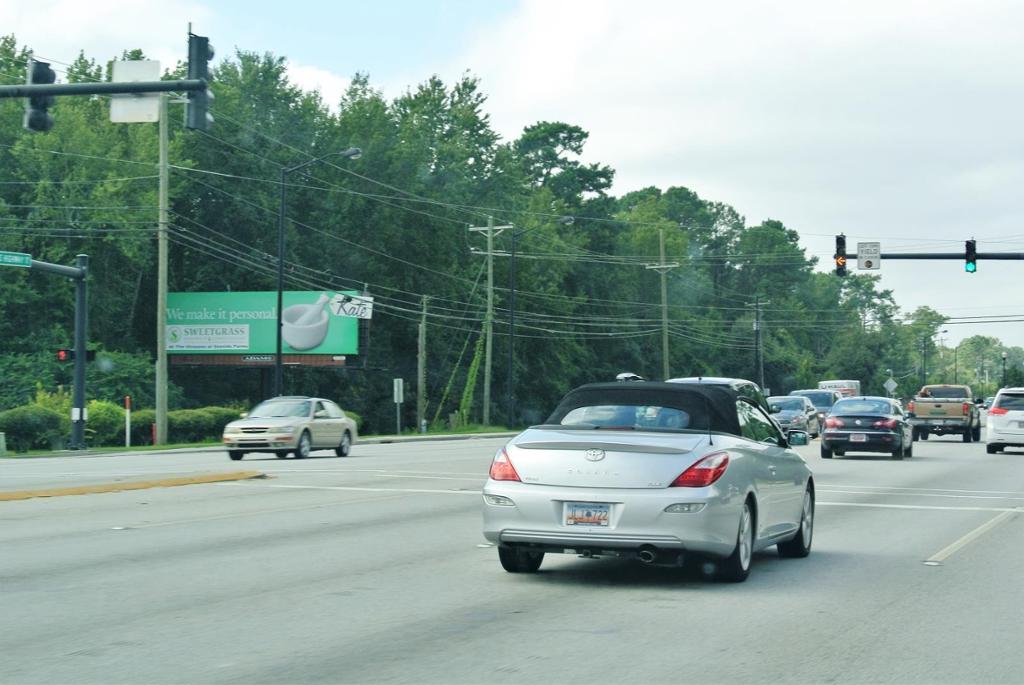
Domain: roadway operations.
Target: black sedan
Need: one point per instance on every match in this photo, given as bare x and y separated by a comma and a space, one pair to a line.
867, 424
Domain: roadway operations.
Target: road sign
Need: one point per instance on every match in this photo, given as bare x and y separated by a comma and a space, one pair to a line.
889, 385
869, 256
399, 390
135, 107
15, 259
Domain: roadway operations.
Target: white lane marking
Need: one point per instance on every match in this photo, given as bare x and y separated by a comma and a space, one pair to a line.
888, 487
923, 507
476, 478
970, 537
918, 494
241, 514
422, 491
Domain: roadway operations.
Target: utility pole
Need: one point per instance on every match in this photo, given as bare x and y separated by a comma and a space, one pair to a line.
758, 338
510, 421
662, 267
161, 282
421, 371
490, 230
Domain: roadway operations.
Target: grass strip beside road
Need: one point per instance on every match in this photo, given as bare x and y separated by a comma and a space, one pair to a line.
131, 485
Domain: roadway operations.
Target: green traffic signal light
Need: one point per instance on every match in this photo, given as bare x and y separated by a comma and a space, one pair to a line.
970, 257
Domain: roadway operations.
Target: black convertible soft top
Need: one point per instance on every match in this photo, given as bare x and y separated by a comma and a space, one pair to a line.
713, 407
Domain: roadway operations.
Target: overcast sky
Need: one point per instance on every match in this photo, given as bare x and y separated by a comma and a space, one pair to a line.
898, 122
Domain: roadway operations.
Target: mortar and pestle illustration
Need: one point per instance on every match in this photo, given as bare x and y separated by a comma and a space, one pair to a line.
304, 326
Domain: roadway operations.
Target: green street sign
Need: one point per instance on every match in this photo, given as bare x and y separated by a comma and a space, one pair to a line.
15, 259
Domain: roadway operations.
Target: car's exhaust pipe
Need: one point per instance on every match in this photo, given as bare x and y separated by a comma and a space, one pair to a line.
647, 554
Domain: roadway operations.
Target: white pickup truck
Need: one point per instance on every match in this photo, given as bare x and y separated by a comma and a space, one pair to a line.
942, 409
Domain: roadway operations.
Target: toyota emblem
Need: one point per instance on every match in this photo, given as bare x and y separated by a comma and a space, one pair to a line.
595, 455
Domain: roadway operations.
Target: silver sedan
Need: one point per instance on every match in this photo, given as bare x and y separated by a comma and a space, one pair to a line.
653, 471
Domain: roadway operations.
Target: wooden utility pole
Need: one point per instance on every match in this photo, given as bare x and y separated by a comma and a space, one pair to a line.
490, 230
662, 267
421, 370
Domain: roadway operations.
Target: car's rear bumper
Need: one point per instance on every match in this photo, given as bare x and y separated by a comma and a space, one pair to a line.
994, 435
940, 426
637, 519
877, 441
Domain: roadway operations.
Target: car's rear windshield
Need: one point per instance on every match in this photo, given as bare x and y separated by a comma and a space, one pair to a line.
646, 407
786, 403
1010, 402
953, 393
821, 400
859, 406
277, 409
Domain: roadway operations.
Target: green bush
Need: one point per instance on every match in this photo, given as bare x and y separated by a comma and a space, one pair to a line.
105, 425
33, 427
188, 425
142, 426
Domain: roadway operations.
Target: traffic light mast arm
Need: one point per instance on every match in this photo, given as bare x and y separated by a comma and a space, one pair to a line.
179, 85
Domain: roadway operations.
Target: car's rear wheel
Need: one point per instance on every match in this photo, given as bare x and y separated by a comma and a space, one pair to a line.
736, 567
826, 453
967, 435
910, 449
800, 545
924, 434
236, 455
976, 433
897, 452
515, 560
281, 454
304, 446
992, 449
345, 446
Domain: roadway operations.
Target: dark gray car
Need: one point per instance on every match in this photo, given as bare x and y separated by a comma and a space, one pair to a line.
795, 412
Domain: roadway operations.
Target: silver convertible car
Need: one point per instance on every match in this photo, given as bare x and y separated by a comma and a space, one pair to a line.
660, 472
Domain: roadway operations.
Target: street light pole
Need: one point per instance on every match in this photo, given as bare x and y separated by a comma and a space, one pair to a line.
350, 153
1004, 370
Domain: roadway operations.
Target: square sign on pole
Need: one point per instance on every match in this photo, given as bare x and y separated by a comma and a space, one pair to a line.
135, 108
869, 255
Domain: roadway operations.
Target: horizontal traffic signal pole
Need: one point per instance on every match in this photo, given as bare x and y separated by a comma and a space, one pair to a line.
1006, 256
179, 85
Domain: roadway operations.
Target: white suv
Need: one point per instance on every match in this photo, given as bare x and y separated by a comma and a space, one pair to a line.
1005, 421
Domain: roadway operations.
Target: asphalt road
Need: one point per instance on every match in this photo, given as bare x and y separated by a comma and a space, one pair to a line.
373, 569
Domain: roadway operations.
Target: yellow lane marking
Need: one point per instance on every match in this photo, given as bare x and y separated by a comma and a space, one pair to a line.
130, 485
970, 537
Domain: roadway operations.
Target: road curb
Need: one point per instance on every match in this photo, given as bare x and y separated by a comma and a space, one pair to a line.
131, 485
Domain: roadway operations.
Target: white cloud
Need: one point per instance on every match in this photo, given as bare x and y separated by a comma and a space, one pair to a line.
60, 29
893, 119
330, 85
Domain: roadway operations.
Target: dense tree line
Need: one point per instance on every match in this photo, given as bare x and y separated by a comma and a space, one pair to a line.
395, 223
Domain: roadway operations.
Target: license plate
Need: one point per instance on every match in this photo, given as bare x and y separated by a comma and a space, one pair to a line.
586, 514
858, 437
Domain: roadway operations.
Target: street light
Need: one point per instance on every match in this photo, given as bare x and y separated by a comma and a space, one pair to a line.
1004, 369
350, 153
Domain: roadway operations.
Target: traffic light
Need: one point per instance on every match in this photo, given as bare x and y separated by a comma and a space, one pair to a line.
200, 52
37, 118
66, 355
840, 255
970, 257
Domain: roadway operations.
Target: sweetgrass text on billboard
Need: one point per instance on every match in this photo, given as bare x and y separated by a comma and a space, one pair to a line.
246, 323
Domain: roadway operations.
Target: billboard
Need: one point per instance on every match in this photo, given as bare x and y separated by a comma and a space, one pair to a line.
313, 322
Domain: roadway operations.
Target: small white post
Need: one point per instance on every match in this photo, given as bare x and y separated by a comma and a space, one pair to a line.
127, 420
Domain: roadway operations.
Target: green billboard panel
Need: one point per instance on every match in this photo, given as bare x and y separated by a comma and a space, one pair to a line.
246, 323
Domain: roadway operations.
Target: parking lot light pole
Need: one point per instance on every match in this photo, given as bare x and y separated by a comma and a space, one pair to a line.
350, 153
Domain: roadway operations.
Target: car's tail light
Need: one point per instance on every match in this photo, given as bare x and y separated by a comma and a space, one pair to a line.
998, 411
833, 422
910, 407
885, 423
704, 472
967, 408
501, 467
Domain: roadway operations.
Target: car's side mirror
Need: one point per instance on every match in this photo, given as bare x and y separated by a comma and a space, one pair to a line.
979, 400
797, 438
